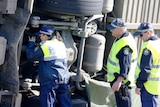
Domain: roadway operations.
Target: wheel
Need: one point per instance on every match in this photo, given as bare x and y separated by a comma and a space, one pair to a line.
71, 7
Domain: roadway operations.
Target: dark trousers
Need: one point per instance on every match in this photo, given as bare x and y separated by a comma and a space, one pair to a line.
123, 101
147, 99
52, 94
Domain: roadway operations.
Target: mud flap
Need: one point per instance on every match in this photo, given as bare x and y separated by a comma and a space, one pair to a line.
100, 94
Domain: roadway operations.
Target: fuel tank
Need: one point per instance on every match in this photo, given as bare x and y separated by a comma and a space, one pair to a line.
107, 6
93, 53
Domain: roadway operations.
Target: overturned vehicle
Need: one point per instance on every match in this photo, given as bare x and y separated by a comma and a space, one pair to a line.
81, 24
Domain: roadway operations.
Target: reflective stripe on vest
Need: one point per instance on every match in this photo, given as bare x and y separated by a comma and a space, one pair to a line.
113, 62
117, 64
53, 49
153, 79
153, 83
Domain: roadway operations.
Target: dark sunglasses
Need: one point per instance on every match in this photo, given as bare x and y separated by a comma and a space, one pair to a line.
141, 35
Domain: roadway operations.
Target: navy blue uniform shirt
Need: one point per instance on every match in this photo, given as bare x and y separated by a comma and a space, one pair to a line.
146, 65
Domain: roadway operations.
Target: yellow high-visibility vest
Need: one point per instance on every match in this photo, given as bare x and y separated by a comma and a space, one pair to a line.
113, 62
53, 49
153, 83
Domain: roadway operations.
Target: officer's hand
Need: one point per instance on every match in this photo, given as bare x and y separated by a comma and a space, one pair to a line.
116, 85
137, 90
33, 38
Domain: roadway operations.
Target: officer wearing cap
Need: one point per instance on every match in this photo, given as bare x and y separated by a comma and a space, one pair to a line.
121, 62
148, 67
53, 72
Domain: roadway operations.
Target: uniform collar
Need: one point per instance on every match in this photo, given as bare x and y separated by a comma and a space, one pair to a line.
155, 37
123, 35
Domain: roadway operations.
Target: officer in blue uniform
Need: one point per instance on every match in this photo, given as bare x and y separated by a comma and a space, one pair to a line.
120, 64
124, 57
148, 68
53, 72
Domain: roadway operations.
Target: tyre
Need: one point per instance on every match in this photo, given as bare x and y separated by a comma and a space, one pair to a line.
71, 7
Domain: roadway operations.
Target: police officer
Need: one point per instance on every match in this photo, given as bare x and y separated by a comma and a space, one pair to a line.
148, 67
121, 62
53, 72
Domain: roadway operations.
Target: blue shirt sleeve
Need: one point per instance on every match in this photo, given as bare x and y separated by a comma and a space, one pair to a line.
124, 56
34, 53
145, 67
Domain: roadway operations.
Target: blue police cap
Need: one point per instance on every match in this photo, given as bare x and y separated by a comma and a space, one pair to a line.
116, 23
48, 30
143, 27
